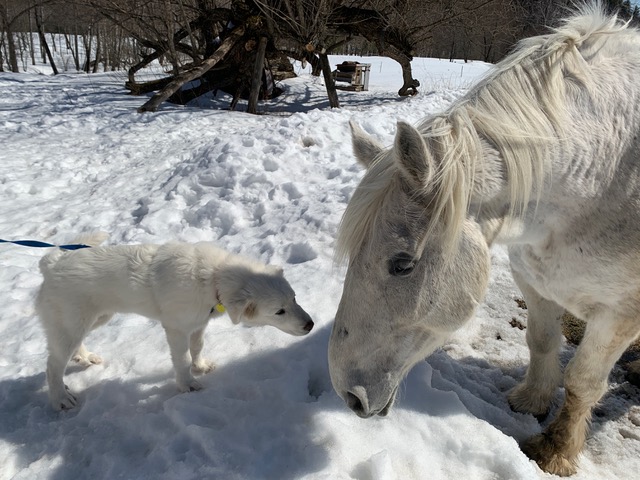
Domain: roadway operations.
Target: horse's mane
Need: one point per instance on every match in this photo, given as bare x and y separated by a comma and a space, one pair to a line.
519, 108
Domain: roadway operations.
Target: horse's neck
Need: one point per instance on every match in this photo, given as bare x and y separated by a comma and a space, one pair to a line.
490, 201
490, 178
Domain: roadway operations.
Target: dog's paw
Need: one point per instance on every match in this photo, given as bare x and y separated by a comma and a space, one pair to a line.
88, 359
84, 357
195, 386
191, 386
202, 366
64, 401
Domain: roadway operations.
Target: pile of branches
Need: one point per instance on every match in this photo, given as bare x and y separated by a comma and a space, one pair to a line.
242, 47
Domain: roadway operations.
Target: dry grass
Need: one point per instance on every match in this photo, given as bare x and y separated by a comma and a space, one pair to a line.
573, 330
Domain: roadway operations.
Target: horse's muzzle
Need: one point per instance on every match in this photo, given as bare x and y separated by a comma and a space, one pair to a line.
358, 401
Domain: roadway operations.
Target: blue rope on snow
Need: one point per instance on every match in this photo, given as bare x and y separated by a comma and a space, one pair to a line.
37, 244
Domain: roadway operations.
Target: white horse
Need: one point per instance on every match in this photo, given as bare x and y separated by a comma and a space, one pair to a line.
543, 155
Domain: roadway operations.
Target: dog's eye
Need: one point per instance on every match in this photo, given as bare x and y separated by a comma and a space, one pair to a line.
280, 312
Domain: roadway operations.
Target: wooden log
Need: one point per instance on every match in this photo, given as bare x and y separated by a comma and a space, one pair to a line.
328, 81
147, 87
155, 101
256, 79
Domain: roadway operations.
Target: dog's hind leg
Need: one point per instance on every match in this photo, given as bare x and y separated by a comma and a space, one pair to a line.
181, 358
62, 343
199, 365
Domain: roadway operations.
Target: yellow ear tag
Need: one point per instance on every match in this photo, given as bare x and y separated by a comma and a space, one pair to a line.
220, 308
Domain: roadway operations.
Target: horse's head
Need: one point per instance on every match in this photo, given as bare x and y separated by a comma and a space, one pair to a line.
409, 283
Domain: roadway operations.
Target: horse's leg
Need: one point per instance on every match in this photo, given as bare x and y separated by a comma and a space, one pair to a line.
605, 339
544, 338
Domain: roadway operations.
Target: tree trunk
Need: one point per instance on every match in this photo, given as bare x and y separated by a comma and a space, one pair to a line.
328, 81
316, 66
147, 59
77, 49
43, 42
178, 81
98, 50
11, 47
87, 40
74, 51
162, 49
256, 80
410, 84
32, 50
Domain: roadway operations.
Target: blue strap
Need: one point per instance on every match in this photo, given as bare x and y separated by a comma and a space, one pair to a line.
37, 244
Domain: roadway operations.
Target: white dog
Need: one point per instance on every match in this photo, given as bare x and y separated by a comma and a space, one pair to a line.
181, 285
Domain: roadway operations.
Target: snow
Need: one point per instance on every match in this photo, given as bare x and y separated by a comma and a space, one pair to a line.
75, 156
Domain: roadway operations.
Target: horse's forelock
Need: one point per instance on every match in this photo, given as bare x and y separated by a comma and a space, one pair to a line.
359, 219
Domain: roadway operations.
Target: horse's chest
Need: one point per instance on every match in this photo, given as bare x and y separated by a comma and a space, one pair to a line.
543, 269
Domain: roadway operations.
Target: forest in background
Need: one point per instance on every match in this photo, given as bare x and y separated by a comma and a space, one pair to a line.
242, 46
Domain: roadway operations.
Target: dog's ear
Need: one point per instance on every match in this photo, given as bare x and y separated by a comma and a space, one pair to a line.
242, 310
250, 309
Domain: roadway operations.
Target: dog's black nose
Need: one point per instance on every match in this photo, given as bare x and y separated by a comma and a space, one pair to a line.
308, 326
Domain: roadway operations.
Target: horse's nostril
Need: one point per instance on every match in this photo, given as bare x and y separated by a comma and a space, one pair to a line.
308, 326
354, 403
358, 401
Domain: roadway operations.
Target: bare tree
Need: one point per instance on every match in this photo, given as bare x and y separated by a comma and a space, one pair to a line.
206, 65
185, 37
43, 38
305, 26
10, 12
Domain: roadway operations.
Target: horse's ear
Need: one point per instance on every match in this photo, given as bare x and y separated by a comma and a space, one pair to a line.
365, 148
413, 158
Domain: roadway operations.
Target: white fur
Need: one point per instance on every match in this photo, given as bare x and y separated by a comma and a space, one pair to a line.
177, 284
543, 156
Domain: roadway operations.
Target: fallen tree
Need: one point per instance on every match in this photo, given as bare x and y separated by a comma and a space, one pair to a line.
237, 48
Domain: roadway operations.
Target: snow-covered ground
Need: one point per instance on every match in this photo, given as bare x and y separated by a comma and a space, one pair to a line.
75, 156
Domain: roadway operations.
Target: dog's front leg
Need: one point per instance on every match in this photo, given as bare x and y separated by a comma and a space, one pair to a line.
199, 365
181, 358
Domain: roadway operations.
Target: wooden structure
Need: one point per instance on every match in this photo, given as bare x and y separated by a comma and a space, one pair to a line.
355, 74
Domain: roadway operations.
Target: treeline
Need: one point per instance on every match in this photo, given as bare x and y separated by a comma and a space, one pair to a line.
115, 34
238, 45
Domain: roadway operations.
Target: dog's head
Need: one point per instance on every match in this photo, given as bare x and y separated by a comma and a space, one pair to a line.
266, 298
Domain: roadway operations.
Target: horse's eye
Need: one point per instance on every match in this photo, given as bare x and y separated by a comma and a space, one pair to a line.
401, 264
280, 312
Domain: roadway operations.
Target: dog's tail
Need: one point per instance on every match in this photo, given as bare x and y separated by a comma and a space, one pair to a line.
91, 239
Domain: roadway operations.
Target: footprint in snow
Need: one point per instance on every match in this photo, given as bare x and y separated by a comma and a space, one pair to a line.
270, 165
300, 253
141, 211
291, 190
308, 142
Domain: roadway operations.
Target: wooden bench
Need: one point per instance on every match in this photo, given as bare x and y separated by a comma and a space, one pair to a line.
355, 74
